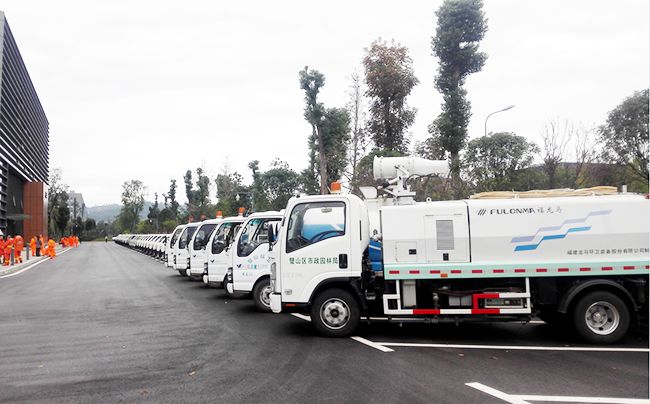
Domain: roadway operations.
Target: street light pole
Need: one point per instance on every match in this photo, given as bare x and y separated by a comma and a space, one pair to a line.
495, 112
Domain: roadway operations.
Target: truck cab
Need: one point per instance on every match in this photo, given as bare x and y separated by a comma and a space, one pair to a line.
251, 258
198, 248
319, 248
170, 245
181, 250
219, 250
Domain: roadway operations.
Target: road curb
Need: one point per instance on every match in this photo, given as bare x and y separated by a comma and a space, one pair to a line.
15, 268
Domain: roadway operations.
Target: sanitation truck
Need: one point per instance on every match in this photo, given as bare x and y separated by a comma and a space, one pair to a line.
250, 267
181, 248
197, 247
170, 245
219, 258
569, 257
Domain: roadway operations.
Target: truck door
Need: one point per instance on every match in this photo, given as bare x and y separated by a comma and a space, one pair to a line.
317, 247
251, 260
198, 255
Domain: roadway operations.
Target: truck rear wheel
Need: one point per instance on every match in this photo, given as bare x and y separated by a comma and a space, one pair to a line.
601, 317
335, 313
262, 295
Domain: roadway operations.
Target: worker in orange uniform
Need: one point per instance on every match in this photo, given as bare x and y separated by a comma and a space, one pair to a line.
6, 253
51, 245
32, 246
43, 245
19, 245
2, 247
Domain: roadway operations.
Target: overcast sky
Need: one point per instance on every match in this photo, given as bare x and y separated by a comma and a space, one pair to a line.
147, 89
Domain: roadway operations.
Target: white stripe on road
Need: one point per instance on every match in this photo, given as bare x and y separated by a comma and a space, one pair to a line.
576, 399
525, 398
32, 266
358, 339
515, 347
372, 344
301, 316
496, 393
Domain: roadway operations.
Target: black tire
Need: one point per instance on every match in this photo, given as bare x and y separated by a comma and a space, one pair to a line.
182, 272
601, 318
262, 288
335, 313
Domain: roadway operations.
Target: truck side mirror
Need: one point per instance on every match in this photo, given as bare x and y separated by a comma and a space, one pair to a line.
271, 236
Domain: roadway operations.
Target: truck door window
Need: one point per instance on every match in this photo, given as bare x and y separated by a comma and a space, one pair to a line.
254, 233
202, 236
311, 223
186, 236
223, 237
175, 237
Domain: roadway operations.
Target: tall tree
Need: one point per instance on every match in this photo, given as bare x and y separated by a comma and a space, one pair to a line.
494, 162
390, 79
133, 193
556, 137
461, 26
58, 211
229, 184
154, 213
625, 134
335, 128
359, 137
311, 82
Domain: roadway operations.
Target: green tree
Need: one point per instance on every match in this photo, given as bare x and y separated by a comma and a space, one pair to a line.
335, 128
229, 184
461, 26
279, 183
58, 212
311, 82
359, 140
389, 79
133, 193
154, 213
625, 134
495, 162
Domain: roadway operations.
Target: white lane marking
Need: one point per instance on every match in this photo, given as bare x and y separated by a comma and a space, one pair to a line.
32, 266
525, 398
496, 393
301, 316
515, 347
358, 339
577, 399
536, 322
372, 344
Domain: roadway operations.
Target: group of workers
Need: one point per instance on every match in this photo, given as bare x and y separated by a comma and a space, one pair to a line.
37, 246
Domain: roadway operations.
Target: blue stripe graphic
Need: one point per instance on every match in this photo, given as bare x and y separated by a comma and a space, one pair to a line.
528, 247
522, 239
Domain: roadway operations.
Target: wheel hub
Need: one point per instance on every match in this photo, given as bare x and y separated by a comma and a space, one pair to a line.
265, 296
602, 318
335, 313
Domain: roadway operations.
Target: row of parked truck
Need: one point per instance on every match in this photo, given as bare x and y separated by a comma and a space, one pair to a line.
577, 259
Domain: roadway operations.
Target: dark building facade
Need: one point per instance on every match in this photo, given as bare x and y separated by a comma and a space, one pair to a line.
24, 145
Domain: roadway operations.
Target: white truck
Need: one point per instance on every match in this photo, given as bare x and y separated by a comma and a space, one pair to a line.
219, 252
580, 259
198, 247
181, 248
170, 245
250, 268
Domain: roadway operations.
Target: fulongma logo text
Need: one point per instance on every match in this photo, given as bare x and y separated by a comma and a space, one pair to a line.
519, 211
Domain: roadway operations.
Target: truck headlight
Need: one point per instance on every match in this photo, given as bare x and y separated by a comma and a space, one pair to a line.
273, 269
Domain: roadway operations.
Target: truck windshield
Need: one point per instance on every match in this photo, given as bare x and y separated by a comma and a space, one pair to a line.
223, 237
202, 235
254, 233
310, 223
175, 237
186, 236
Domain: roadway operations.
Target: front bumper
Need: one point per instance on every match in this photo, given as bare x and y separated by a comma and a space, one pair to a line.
276, 302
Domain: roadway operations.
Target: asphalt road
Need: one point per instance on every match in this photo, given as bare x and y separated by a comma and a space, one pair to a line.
104, 323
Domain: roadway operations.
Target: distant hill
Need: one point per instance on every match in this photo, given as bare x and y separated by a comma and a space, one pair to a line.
108, 213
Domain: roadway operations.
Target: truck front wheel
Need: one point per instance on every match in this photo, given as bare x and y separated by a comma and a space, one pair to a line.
335, 313
601, 317
262, 295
